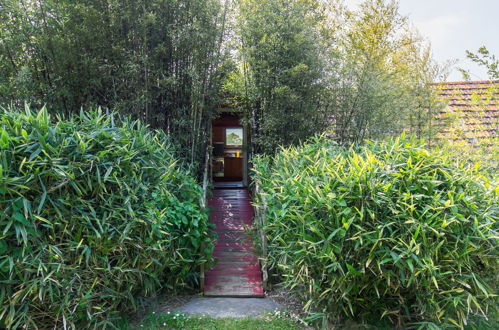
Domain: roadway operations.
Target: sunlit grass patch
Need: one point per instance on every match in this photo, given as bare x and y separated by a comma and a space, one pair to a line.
178, 320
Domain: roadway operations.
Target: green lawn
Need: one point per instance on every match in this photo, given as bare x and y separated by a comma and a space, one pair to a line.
179, 321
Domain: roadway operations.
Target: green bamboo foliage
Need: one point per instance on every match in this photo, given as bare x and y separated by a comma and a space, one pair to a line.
158, 61
95, 211
387, 231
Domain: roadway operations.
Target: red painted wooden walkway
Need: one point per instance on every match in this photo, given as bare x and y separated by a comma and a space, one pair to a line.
237, 272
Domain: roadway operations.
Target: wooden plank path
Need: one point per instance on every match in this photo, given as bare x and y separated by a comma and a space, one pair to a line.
237, 272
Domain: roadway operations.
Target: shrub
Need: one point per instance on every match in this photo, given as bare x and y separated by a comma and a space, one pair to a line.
386, 230
484, 157
95, 210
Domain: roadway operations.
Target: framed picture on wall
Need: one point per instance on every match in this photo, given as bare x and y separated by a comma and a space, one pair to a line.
233, 137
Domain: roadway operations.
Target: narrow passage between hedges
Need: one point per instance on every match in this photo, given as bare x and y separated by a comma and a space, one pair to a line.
237, 272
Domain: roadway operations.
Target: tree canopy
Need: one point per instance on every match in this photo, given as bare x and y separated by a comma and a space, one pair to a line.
155, 60
485, 59
293, 68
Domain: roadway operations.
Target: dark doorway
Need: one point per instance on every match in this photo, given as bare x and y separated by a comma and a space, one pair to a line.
229, 156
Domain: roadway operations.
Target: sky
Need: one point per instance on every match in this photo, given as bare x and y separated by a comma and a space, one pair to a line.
454, 26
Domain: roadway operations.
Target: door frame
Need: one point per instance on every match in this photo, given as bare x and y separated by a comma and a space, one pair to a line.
231, 118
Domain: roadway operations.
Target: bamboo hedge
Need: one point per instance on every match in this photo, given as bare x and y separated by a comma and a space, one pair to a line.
387, 230
95, 211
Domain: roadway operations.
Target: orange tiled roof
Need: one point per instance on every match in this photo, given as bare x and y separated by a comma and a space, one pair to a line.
471, 111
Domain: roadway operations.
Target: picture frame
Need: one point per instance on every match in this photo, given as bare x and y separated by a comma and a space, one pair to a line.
234, 137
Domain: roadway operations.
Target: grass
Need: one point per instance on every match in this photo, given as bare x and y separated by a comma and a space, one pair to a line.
274, 321
182, 321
